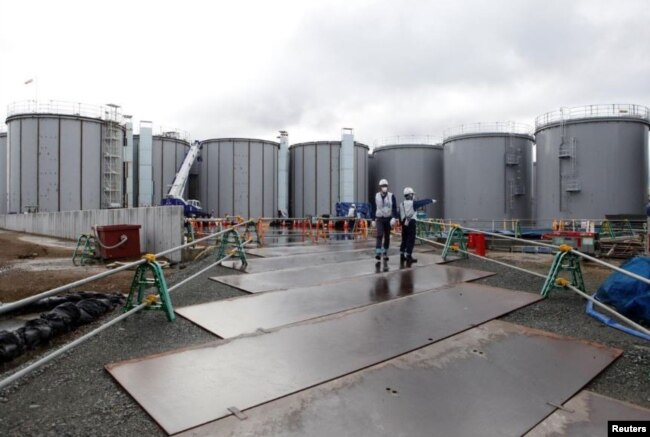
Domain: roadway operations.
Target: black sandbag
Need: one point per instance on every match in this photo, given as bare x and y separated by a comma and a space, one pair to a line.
42, 326
58, 323
94, 307
11, 345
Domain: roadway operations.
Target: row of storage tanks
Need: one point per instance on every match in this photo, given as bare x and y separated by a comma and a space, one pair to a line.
591, 161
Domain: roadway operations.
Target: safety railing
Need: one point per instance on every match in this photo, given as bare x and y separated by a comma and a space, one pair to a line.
105, 112
396, 140
505, 127
44, 360
615, 110
166, 132
550, 281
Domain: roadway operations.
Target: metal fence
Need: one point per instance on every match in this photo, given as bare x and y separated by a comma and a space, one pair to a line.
505, 127
407, 140
105, 112
615, 110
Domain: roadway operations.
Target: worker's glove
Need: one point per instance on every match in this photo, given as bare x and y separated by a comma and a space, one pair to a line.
392, 222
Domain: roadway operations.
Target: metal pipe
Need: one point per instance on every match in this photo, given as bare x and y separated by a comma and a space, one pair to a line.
26, 301
571, 287
609, 310
46, 359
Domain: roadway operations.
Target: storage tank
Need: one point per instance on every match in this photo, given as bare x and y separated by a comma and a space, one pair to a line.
411, 161
487, 172
316, 176
3, 171
372, 178
168, 152
591, 161
64, 156
239, 176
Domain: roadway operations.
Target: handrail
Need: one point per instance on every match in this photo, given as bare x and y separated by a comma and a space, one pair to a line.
102, 112
616, 110
26, 301
506, 127
398, 140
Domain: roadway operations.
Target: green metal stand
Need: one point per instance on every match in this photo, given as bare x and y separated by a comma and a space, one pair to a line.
232, 239
150, 275
455, 243
86, 250
564, 261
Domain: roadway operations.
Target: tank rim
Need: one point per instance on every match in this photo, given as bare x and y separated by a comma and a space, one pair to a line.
488, 135
554, 124
314, 143
408, 146
253, 140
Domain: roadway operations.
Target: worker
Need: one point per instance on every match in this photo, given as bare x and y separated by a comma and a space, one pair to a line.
352, 214
385, 206
407, 218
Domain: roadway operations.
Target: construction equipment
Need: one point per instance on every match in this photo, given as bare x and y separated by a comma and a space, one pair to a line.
191, 208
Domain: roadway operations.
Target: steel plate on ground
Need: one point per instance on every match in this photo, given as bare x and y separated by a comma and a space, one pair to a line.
231, 317
186, 388
316, 275
494, 380
259, 265
315, 248
586, 415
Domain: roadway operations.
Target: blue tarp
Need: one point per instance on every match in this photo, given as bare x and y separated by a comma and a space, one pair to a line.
628, 295
363, 209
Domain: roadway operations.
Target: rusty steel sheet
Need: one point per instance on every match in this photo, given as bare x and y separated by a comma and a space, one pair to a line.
259, 265
586, 414
313, 248
186, 388
245, 314
318, 274
497, 379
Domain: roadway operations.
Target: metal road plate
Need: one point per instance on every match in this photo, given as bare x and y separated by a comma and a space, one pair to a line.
315, 248
586, 414
492, 380
245, 314
258, 265
186, 388
317, 275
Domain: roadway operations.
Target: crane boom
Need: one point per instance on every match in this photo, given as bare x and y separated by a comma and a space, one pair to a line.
178, 186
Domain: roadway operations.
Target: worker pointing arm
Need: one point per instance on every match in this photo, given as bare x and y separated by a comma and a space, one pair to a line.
408, 209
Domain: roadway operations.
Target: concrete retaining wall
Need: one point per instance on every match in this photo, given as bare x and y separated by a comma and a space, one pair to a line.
162, 226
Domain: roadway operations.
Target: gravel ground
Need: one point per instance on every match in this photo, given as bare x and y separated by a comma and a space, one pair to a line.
73, 395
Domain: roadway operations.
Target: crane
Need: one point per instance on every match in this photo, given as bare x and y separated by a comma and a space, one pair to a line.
192, 208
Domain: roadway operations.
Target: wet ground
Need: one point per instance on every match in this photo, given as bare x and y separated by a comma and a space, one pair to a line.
73, 395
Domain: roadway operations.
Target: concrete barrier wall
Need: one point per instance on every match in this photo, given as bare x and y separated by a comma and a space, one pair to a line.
162, 226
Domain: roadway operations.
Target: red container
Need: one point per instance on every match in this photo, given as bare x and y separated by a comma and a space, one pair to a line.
119, 241
479, 243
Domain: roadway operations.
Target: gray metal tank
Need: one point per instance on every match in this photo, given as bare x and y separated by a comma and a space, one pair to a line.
315, 177
3, 171
372, 178
415, 162
239, 176
591, 161
63, 157
487, 172
168, 152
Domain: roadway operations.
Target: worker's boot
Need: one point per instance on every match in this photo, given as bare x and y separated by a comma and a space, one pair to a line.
410, 259
402, 257
378, 254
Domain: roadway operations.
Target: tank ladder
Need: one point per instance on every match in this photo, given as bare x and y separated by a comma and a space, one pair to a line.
111, 161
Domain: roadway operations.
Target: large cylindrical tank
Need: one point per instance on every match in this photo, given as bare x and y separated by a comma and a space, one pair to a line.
63, 157
3, 171
591, 161
415, 164
487, 172
239, 176
168, 152
315, 177
372, 178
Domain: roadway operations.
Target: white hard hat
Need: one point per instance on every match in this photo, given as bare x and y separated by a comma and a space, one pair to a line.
408, 190
383, 182
353, 206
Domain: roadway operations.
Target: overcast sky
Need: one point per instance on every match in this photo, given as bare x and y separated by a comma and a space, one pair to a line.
251, 68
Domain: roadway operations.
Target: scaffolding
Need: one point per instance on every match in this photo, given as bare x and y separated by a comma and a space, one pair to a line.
112, 160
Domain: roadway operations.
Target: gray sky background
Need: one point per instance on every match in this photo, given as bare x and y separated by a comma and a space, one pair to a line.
251, 68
